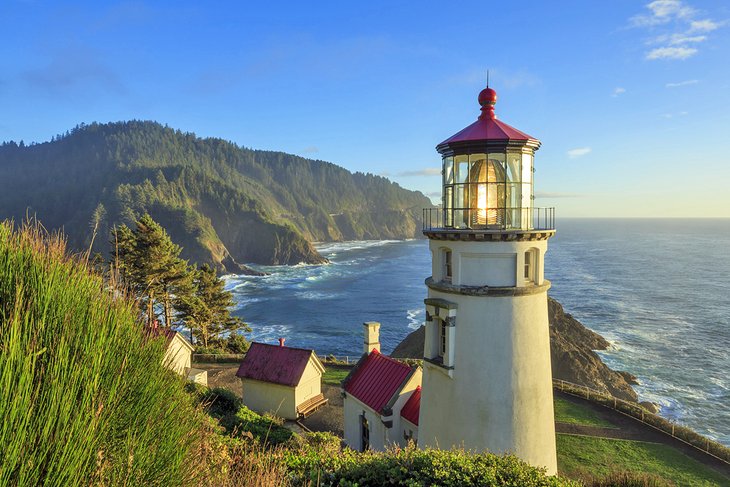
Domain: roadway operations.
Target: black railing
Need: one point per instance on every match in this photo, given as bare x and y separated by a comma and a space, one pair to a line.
492, 219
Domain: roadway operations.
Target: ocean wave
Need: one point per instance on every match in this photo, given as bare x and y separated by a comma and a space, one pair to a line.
415, 318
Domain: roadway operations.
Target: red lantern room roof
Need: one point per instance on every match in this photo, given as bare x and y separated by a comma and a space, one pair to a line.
487, 128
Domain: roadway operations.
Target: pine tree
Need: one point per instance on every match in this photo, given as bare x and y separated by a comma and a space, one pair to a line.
150, 264
207, 311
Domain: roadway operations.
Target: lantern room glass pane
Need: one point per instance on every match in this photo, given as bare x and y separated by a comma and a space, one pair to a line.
448, 170
513, 201
478, 168
513, 167
526, 196
460, 196
527, 168
496, 167
461, 166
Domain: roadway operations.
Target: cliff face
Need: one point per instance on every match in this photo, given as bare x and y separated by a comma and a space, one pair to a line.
222, 203
573, 358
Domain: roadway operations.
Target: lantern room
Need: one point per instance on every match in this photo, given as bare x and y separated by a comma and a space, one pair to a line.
488, 177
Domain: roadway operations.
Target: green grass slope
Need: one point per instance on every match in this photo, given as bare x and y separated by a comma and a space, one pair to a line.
83, 399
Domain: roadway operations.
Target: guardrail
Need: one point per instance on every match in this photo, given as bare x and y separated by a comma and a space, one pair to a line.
492, 219
637, 412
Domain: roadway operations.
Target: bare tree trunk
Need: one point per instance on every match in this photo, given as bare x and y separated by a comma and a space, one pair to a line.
150, 309
168, 310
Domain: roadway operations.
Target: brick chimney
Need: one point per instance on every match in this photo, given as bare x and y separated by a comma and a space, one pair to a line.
281, 341
372, 336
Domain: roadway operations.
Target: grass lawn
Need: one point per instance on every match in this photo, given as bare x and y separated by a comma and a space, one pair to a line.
334, 376
582, 455
568, 412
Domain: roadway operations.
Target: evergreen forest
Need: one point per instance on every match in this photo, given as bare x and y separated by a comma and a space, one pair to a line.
224, 204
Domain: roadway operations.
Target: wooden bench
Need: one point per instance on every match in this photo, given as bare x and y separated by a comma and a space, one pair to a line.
311, 405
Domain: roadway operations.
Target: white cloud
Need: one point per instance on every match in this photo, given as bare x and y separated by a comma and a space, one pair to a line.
679, 39
705, 25
429, 171
662, 12
310, 150
682, 83
671, 53
618, 91
675, 28
578, 152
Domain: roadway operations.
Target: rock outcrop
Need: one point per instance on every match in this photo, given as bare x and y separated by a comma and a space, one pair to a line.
573, 357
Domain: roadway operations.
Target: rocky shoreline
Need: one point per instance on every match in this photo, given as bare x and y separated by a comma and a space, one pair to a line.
573, 355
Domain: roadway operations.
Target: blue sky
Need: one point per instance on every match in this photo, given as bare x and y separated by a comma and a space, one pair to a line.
631, 99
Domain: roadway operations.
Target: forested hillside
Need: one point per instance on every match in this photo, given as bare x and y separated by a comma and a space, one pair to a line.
222, 203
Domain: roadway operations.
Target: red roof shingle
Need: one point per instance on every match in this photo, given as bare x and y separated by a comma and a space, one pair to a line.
272, 363
412, 407
376, 379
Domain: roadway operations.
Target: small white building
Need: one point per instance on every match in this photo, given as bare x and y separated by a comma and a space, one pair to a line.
178, 356
378, 393
284, 381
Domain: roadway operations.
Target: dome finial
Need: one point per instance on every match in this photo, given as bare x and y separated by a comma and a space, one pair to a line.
487, 99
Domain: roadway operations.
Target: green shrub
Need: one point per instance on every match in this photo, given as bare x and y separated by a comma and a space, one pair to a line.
220, 402
84, 398
236, 343
266, 429
315, 462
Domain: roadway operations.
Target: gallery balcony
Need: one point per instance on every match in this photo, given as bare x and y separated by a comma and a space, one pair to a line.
488, 224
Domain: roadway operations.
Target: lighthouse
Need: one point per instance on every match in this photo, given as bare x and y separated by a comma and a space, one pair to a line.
487, 383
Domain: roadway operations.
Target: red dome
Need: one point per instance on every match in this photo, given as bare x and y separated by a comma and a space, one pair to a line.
487, 96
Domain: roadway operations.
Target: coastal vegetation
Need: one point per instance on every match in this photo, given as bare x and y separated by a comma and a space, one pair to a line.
84, 397
222, 203
148, 263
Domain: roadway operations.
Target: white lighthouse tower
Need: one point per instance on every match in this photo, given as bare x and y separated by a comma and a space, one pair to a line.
487, 383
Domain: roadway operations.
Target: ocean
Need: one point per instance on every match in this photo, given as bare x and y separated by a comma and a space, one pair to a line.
657, 289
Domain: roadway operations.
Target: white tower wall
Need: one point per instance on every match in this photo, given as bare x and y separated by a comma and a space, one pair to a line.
491, 386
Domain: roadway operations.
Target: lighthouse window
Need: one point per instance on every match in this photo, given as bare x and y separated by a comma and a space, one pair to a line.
448, 268
530, 264
442, 338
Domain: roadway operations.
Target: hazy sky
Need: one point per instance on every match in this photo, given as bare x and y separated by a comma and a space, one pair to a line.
631, 99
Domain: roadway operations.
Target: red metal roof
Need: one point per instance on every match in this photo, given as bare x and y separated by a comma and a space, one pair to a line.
487, 127
273, 363
376, 379
412, 407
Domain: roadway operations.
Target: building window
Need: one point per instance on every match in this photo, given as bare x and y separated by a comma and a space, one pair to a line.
448, 266
530, 270
442, 338
364, 433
